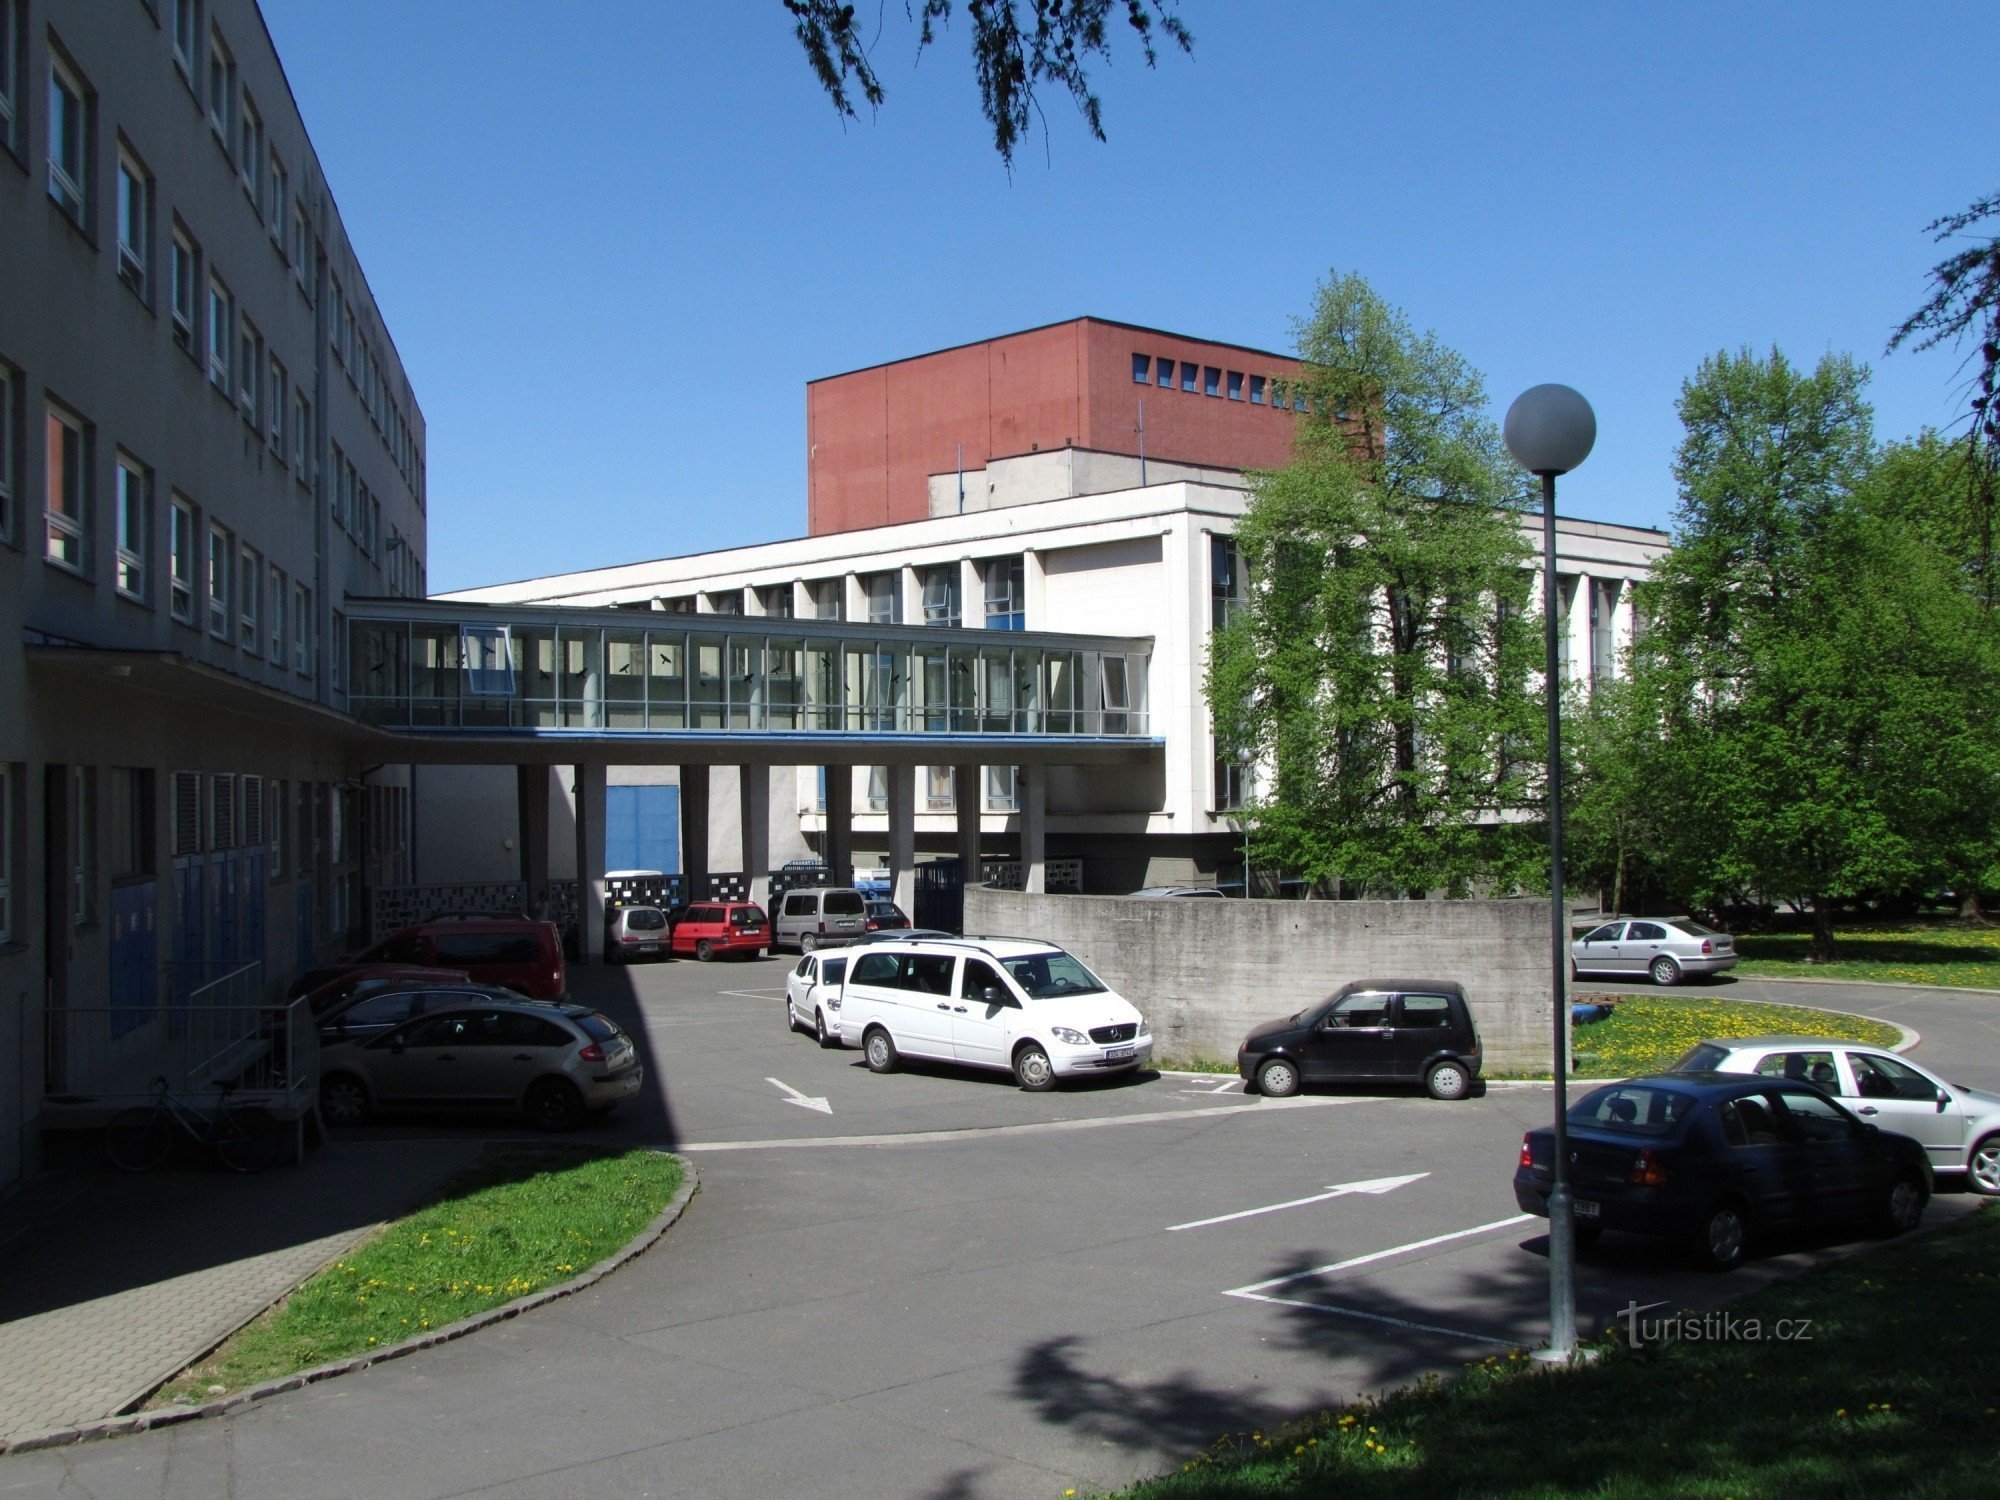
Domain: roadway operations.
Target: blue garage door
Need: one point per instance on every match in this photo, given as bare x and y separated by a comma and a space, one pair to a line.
642, 828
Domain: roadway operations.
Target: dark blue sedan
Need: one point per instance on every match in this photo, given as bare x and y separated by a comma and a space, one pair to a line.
1718, 1159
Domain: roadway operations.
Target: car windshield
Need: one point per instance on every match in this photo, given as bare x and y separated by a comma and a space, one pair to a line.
1702, 1057
1051, 975
1631, 1109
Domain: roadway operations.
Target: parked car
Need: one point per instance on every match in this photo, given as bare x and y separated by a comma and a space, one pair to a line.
556, 1064
343, 985
1958, 1126
710, 928
1163, 892
820, 916
1719, 1160
634, 932
376, 1011
812, 995
1662, 948
518, 953
886, 916
1370, 1031
1014, 1004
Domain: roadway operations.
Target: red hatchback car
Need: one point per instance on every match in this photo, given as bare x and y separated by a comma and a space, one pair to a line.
711, 927
518, 953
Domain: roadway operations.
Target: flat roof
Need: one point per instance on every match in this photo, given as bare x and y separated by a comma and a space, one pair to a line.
1165, 333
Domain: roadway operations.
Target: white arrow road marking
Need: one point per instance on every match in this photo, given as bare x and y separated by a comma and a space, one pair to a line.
793, 1096
1377, 1186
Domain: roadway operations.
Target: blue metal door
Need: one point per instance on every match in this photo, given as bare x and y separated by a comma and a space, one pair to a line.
642, 828
223, 935
252, 908
135, 955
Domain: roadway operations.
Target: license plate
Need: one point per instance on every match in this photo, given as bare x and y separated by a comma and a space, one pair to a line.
1117, 1054
649, 947
1585, 1208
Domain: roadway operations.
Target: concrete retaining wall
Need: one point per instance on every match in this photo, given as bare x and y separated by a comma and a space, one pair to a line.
1206, 972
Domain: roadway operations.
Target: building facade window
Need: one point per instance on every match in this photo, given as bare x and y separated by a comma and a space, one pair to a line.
10, 65
250, 150
1228, 782
1002, 789
1190, 376
885, 598
1165, 380
940, 789
187, 30
279, 398
301, 241
6, 855
302, 630
1235, 385
221, 87
249, 372
7, 454
135, 225
276, 196
943, 595
249, 589
69, 141
1225, 580
66, 502
1211, 381
221, 568
274, 615
185, 278
1256, 390
828, 598
776, 600
221, 334
134, 528
83, 844
1142, 367
182, 563
1006, 591
301, 434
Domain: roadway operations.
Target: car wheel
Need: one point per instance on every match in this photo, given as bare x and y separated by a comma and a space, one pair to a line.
1278, 1078
554, 1104
878, 1051
704, 949
791, 1016
1665, 971
1982, 1168
1448, 1080
826, 1038
1033, 1070
343, 1099
808, 942
1723, 1238
1903, 1209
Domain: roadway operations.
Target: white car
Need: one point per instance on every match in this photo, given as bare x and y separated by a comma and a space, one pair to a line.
1014, 1004
1959, 1127
812, 996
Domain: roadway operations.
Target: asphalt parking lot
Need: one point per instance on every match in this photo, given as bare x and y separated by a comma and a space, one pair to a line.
933, 1284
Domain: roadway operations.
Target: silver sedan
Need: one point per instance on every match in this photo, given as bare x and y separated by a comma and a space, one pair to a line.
1664, 948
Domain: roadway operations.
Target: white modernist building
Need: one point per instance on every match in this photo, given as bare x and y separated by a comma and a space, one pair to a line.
1029, 552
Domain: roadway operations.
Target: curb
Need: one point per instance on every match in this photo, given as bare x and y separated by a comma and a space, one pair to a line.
63, 1437
1880, 984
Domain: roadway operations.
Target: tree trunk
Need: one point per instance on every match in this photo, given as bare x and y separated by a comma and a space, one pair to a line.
1822, 934
1618, 881
1971, 910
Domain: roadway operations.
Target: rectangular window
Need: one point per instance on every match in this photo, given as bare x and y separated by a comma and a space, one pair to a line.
1166, 375
6, 454
69, 141
276, 197
940, 789
187, 27
1256, 390
280, 399
10, 60
250, 150
67, 502
1002, 789
134, 527
1142, 369
1211, 381
221, 568
1235, 385
274, 614
221, 333
333, 307
181, 560
302, 630
1228, 782
885, 598
185, 277
301, 240
1190, 377
249, 371
829, 602
249, 589
1005, 594
6, 854
128, 813
777, 600
135, 224
1225, 580
221, 86
301, 431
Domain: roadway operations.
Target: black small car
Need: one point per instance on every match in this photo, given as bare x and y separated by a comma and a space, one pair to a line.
1370, 1031
1717, 1159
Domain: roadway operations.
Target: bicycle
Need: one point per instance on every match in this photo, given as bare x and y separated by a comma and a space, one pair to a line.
247, 1137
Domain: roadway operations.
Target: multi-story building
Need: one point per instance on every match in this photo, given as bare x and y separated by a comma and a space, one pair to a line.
207, 443
1054, 520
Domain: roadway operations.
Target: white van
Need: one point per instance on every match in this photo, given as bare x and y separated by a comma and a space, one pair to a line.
819, 916
1014, 1004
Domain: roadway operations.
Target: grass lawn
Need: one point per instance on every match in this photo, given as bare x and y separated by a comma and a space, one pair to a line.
1646, 1033
1892, 1390
1945, 952
519, 1221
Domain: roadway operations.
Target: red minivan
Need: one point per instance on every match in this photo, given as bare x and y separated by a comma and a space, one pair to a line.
517, 953
711, 927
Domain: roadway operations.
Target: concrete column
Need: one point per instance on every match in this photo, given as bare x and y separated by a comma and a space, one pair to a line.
1031, 791
1579, 628
590, 799
902, 835
1623, 619
694, 833
967, 800
971, 594
802, 599
531, 795
856, 597
837, 843
754, 808
910, 585
1032, 589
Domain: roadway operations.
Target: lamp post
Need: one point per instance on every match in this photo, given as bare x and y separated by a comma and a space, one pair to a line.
1245, 759
1550, 430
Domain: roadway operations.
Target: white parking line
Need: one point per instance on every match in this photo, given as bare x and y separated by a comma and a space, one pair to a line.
1361, 1260
1377, 1187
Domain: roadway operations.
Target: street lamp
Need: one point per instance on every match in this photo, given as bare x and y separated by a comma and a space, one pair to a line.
1549, 430
1245, 759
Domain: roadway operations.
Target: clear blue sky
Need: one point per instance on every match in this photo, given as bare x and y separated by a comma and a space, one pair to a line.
613, 241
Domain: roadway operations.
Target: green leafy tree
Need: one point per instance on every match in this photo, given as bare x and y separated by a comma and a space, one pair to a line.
1823, 685
1381, 664
1017, 46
